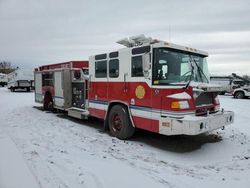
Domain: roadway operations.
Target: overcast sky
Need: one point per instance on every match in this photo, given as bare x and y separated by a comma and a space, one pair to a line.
37, 32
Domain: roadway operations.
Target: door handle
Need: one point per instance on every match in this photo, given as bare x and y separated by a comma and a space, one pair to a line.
125, 82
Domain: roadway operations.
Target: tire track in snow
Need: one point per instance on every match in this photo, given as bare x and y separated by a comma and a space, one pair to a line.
46, 163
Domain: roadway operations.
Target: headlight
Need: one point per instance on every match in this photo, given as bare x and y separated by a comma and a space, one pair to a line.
180, 105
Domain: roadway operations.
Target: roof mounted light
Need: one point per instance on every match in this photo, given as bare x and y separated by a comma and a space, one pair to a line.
138, 40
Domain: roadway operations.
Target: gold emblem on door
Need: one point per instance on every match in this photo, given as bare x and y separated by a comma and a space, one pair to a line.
140, 92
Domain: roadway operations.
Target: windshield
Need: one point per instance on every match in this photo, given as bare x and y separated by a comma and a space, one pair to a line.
175, 67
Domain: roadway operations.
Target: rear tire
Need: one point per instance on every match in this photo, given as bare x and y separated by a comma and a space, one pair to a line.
239, 95
48, 102
119, 122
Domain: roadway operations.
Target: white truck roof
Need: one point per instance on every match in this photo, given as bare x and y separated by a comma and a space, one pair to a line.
22, 74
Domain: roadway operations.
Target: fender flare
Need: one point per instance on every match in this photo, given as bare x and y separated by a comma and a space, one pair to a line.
112, 103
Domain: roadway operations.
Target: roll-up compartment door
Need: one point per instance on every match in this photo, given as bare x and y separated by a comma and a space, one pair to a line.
38, 87
58, 85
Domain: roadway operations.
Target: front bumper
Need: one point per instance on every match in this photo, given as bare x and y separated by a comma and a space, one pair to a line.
194, 125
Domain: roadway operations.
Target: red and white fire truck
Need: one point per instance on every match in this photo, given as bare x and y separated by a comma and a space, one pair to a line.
149, 84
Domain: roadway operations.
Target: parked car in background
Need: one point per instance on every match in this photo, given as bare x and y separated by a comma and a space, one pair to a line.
3, 79
242, 92
20, 79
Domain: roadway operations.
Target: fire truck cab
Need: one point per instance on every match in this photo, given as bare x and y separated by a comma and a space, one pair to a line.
150, 84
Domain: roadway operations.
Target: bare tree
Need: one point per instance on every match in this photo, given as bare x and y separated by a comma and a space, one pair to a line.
246, 77
6, 67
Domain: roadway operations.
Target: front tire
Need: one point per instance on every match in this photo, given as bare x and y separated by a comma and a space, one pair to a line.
239, 95
119, 122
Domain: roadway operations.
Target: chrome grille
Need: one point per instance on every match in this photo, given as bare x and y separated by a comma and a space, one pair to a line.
205, 98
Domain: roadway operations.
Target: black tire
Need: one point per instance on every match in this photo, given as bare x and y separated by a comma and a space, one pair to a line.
119, 122
222, 93
239, 95
12, 89
48, 102
28, 89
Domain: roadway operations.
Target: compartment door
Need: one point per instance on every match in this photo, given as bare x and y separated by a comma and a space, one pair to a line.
58, 85
38, 87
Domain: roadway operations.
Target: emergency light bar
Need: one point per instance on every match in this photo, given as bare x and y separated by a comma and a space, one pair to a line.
138, 40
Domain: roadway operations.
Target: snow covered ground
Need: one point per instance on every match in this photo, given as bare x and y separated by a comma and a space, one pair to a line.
51, 150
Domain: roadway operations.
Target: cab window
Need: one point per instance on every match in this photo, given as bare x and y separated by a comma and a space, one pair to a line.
101, 69
137, 69
114, 68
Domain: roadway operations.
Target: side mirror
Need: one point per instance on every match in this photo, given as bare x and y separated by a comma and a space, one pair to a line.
146, 65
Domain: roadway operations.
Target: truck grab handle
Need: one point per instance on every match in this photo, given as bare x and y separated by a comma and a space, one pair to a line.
125, 82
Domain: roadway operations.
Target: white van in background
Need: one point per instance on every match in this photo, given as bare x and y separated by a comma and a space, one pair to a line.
228, 83
3, 79
20, 79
